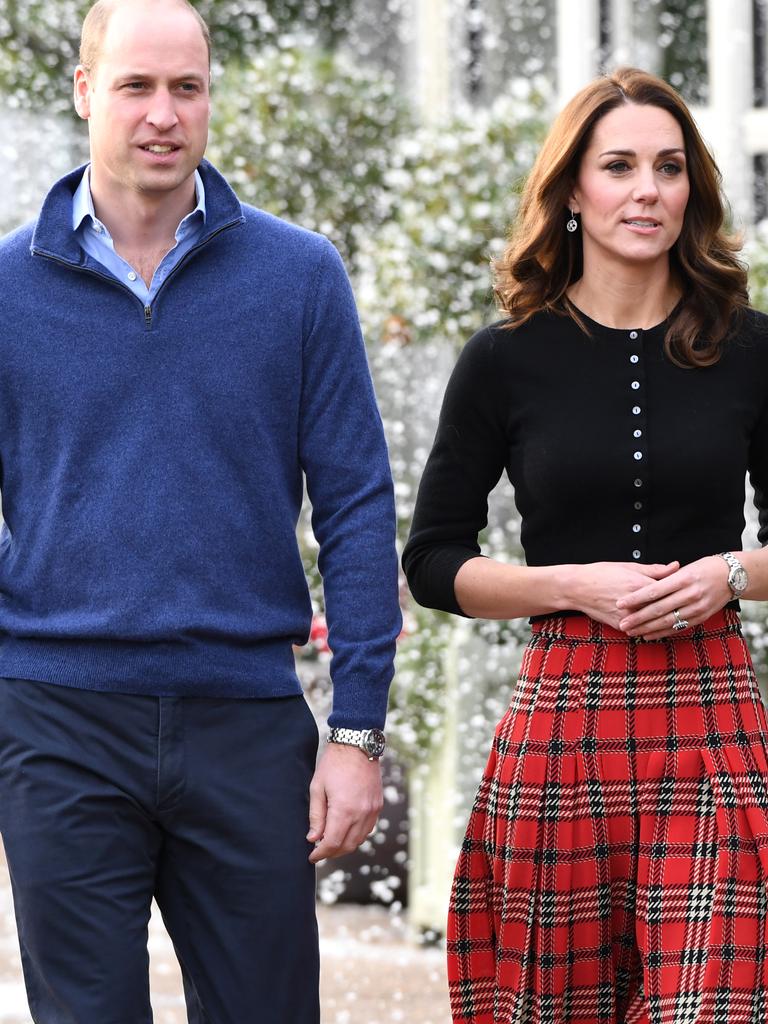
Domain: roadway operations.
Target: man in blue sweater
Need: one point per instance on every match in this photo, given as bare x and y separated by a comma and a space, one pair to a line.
174, 366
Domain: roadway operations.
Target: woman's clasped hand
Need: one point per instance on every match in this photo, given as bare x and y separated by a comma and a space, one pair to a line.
640, 600
695, 591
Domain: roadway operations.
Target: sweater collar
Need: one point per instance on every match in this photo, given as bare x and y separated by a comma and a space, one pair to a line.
53, 234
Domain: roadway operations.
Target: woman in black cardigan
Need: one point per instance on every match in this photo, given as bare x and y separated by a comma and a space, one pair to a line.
615, 866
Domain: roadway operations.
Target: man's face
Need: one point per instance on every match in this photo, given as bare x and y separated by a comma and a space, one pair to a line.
146, 100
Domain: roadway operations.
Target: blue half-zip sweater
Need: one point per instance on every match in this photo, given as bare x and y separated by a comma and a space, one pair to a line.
153, 461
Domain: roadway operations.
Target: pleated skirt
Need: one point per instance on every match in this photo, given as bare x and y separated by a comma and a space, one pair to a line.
615, 866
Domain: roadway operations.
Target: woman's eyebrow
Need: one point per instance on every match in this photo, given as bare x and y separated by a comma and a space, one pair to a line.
631, 152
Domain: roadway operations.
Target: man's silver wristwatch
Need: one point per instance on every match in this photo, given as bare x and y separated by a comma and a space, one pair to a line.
737, 575
370, 741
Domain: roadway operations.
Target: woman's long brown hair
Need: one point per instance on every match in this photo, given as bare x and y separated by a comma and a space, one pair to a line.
542, 259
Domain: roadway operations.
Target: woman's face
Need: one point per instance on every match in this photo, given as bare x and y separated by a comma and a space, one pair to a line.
632, 188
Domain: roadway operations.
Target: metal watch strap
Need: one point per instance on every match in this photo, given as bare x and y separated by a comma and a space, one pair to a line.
732, 561
360, 738
354, 737
734, 568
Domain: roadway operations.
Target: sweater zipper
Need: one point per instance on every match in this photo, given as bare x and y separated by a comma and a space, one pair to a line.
180, 264
147, 310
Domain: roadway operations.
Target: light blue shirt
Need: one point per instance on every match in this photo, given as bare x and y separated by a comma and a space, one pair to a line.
96, 240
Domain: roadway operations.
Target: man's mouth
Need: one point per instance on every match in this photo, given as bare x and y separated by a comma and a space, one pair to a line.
162, 150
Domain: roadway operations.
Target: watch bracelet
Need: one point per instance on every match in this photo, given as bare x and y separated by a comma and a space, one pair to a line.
734, 566
358, 738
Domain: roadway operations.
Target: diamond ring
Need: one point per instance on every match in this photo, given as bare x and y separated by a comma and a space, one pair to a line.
679, 623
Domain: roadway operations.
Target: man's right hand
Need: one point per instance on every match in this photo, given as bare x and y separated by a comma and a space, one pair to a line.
345, 798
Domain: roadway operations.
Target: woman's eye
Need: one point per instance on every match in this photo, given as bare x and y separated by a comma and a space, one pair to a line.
618, 166
671, 169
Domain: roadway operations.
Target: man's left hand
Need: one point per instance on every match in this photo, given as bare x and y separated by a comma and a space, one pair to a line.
345, 798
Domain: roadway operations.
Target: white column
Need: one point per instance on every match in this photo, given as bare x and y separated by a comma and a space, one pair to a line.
578, 43
435, 833
622, 33
634, 37
730, 62
431, 63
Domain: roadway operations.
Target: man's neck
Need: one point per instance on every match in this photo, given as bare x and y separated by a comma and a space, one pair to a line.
142, 221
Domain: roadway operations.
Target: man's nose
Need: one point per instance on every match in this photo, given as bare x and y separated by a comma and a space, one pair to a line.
162, 111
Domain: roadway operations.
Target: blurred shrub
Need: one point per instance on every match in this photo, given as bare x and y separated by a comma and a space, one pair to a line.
309, 136
39, 39
756, 257
450, 193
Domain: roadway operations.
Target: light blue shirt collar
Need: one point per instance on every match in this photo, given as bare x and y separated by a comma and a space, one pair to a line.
95, 240
82, 206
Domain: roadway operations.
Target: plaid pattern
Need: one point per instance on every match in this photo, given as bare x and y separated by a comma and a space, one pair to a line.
616, 860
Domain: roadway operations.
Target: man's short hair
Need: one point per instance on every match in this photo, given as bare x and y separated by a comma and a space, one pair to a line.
97, 19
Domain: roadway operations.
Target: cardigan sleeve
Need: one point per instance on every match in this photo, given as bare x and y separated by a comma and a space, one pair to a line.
466, 461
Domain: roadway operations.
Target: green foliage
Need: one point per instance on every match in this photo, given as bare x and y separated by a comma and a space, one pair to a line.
450, 195
308, 136
683, 42
39, 39
449, 667
756, 257
416, 212
416, 716
240, 28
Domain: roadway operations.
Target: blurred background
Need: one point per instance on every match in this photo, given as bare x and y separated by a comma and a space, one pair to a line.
403, 130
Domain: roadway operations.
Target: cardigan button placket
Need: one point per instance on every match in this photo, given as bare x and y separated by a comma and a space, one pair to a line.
636, 521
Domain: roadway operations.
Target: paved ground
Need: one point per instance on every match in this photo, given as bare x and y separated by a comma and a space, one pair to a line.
372, 972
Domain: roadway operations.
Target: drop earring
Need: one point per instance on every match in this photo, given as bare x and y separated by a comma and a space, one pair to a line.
572, 224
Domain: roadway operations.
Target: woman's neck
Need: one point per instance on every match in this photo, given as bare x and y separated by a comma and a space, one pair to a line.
626, 300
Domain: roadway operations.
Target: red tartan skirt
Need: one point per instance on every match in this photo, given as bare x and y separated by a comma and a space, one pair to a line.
615, 866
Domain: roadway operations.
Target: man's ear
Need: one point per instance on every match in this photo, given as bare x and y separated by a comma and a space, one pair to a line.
82, 92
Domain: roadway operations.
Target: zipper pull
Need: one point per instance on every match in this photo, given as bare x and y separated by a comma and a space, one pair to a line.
148, 317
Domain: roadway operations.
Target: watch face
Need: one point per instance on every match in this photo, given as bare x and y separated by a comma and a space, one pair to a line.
374, 743
738, 580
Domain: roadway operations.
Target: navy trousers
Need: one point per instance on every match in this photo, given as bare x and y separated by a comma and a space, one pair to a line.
109, 800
